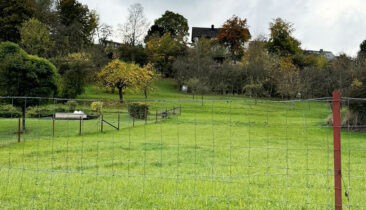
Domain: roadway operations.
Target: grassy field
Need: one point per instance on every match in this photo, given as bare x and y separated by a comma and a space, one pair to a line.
237, 154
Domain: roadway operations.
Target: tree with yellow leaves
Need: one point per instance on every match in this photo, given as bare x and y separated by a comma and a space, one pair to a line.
146, 78
120, 75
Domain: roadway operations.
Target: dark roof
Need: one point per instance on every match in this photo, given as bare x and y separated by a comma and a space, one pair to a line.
204, 32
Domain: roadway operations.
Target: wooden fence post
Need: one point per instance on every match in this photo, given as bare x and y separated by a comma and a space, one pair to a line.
337, 150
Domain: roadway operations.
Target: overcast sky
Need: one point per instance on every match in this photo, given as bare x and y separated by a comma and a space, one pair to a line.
335, 25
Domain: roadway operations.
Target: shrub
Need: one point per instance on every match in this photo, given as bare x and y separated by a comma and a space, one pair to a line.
40, 111
8, 110
96, 106
72, 105
138, 110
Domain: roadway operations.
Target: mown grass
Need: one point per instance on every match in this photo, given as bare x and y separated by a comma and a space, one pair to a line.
215, 155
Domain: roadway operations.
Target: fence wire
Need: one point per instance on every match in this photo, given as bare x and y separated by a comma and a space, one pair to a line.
184, 154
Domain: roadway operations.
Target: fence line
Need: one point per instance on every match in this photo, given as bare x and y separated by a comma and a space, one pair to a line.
220, 154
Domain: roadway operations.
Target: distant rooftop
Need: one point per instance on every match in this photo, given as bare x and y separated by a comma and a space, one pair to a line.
327, 54
198, 32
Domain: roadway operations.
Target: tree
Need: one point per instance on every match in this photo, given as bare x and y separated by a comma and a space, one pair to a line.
362, 52
45, 12
104, 31
77, 26
135, 54
234, 34
26, 75
35, 38
13, 14
135, 26
281, 41
120, 75
75, 70
146, 78
173, 23
162, 53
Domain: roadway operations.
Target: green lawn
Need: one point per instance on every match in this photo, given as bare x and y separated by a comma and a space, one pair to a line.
215, 155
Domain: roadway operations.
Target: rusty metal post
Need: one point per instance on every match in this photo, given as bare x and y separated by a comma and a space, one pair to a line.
337, 150
19, 130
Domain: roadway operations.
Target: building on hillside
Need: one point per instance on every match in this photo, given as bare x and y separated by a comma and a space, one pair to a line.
209, 33
110, 43
327, 54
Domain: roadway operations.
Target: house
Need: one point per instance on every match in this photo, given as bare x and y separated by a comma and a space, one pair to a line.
110, 44
209, 33
327, 54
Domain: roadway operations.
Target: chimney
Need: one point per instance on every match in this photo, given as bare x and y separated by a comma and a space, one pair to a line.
212, 27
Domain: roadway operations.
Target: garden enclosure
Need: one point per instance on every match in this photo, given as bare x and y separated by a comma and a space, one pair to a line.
204, 154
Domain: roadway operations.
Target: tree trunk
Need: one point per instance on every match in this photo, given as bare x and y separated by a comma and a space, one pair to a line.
120, 95
23, 118
145, 93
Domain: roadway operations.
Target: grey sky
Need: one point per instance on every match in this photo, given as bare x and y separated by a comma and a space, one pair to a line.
336, 25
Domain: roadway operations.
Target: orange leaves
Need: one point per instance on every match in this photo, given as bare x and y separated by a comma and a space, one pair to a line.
234, 34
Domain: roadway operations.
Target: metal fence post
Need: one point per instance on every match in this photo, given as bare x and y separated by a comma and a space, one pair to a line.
53, 126
101, 124
337, 150
80, 126
19, 130
118, 120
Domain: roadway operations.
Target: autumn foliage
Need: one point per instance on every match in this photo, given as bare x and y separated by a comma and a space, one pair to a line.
121, 75
234, 34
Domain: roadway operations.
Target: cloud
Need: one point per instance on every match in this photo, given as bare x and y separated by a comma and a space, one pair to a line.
335, 25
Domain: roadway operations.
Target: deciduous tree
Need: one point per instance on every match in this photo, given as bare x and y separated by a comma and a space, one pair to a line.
163, 51
173, 23
281, 41
135, 26
26, 75
120, 75
13, 14
35, 38
234, 34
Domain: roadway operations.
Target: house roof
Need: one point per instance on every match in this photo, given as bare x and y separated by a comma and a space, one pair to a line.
328, 54
204, 32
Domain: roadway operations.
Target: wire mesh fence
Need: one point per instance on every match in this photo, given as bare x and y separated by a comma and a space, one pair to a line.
188, 154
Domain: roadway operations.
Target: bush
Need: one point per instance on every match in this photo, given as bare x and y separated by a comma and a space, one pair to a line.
138, 110
96, 106
8, 110
40, 111
72, 105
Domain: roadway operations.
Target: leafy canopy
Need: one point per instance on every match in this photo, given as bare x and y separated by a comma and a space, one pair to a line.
121, 75
35, 38
234, 34
281, 41
169, 22
162, 53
